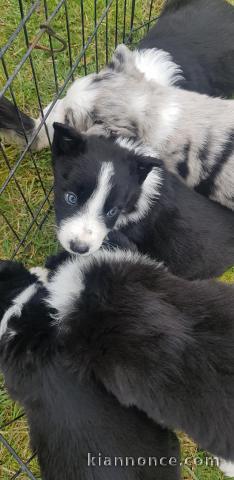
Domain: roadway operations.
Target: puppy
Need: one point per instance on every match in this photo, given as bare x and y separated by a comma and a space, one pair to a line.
77, 429
193, 134
191, 46
101, 186
160, 343
199, 36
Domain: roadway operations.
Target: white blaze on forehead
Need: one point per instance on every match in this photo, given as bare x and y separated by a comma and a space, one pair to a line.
17, 306
96, 202
88, 226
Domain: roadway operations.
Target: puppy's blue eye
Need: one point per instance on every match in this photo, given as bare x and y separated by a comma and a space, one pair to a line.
70, 198
113, 212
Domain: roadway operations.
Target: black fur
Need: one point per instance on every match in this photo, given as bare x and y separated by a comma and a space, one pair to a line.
207, 185
69, 418
199, 35
14, 279
183, 168
160, 343
11, 118
193, 236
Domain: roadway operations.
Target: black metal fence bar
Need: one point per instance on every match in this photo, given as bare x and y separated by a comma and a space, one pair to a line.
19, 28
68, 78
83, 35
7, 424
23, 466
32, 223
68, 37
16, 182
30, 48
51, 48
18, 473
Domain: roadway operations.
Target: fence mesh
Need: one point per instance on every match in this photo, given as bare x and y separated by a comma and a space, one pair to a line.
45, 45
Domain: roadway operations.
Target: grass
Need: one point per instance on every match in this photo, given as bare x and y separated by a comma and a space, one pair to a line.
34, 177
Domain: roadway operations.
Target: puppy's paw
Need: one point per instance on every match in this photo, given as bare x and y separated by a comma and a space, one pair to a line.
227, 468
41, 273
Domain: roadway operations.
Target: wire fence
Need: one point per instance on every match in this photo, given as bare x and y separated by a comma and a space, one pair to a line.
46, 45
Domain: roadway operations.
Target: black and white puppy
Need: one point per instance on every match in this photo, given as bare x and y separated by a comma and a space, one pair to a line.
155, 341
101, 186
161, 343
191, 46
76, 427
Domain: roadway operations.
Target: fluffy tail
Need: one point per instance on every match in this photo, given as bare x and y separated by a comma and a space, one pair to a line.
18, 128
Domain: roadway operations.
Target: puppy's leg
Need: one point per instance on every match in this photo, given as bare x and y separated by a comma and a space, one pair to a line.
17, 286
41, 273
15, 310
227, 468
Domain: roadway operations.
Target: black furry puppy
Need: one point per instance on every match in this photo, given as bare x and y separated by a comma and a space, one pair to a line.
102, 186
78, 430
199, 35
161, 343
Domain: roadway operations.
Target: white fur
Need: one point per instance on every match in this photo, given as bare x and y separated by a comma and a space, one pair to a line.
80, 102
157, 65
169, 118
16, 308
88, 227
74, 108
227, 468
41, 273
65, 287
137, 147
119, 255
68, 283
57, 114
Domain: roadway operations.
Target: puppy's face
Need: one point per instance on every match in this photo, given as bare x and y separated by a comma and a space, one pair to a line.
99, 186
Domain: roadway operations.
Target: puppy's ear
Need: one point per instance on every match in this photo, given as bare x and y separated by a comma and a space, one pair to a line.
144, 166
123, 60
67, 140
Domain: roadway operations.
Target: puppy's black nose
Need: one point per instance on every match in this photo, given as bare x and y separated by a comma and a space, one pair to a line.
79, 247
